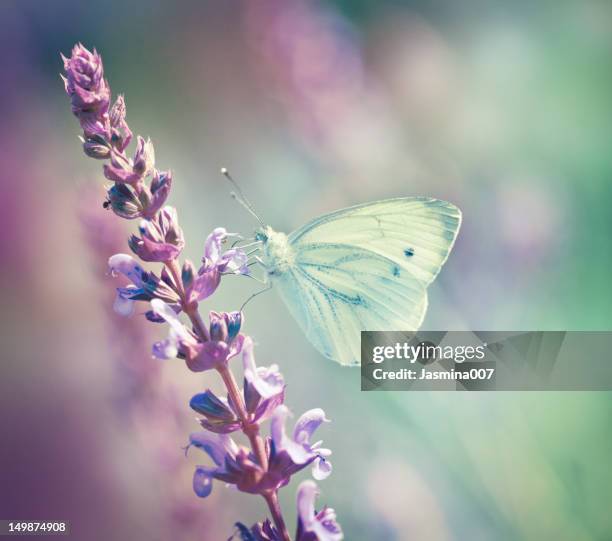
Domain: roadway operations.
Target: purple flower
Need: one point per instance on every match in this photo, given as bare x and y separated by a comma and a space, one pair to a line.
219, 414
313, 526
129, 204
161, 238
232, 261
144, 157
179, 341
140, 191
264, 387
125, 202
121, 169
291, 454
286, 456
144, 287
233, 464
262, 531
158, 191
214, 263
96, 147
89, 92
238, 466
223, 342
222, 450
121, 135
131, 171
264, 391
200, 285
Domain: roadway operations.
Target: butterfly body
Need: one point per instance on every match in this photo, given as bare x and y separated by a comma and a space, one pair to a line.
278, 256
362, 268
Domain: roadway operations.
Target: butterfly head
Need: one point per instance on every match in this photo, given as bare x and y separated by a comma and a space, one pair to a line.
262, 234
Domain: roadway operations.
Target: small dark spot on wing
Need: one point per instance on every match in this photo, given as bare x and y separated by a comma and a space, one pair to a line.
396, 271
409, 252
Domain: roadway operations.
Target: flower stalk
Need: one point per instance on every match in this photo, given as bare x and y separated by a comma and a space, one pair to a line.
277, 516
139, 191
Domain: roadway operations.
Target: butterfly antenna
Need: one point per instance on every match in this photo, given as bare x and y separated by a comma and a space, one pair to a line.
239, 196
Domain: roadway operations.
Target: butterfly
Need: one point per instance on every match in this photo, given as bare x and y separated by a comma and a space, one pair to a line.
365, 267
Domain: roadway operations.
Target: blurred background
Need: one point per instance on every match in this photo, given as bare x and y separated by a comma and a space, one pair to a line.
500, 107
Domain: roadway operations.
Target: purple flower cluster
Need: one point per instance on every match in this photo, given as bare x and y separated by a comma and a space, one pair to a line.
139, 190
312, 525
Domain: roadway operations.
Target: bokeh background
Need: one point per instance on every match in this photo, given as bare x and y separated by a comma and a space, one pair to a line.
501, 107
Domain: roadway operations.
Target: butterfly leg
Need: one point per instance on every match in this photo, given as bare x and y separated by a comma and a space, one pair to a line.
259, 281
267, 288
239, 239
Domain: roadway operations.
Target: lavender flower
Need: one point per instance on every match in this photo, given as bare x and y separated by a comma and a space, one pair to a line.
121, 135
224, 453
89, 92
223, 343
313, 526
264, 391
125, 202
95, 146
128, 203
291, 454
140, 191
232, 261
161, 238
155, 196
145, 405
237, 466
220, 416
264, 387
199, 285
262, 531
233, 464
145, 285
180, 341
131, 171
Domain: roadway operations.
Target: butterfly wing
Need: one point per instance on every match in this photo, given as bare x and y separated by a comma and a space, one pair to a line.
335, 292
415, 232
366, 268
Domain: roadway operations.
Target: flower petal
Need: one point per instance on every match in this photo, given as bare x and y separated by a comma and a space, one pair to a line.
321, 469
122, 306
202, 481
267, 382
212, 247
216, 446
166, 349
306, 495
323, 524
208, 404
307, 424
298, 453
210, 355
164, 311
128, 266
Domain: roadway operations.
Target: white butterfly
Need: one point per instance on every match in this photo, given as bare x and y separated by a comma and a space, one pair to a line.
362, 268
365, 267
